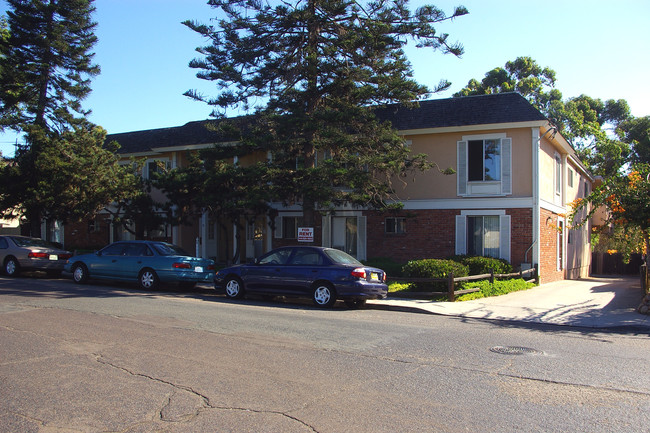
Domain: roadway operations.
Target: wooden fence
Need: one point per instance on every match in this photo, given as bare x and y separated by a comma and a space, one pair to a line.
451, 292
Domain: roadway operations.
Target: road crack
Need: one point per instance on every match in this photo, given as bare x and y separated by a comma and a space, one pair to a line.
164, 413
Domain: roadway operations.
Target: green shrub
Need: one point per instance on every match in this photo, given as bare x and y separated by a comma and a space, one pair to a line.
397, 287
433, 268
500, 287
390, 266
484, 265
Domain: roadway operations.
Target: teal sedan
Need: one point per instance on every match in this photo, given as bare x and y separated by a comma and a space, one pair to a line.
148, 263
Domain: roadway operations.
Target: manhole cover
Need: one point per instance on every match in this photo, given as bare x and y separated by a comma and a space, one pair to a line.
515, 350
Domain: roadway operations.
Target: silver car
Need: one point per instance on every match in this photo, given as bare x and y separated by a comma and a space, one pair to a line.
22, 253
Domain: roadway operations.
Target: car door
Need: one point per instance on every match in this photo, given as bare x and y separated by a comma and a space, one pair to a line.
266, 275
107, 263
303, 268
136, 256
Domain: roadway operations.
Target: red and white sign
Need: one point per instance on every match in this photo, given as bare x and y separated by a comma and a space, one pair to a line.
305, 234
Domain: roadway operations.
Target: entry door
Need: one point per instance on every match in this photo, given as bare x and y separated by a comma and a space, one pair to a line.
344, 234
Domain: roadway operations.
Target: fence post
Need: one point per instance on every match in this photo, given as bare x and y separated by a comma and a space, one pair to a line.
491, 276
451, 296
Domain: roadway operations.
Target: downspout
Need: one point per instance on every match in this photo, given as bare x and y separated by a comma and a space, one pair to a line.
536, 140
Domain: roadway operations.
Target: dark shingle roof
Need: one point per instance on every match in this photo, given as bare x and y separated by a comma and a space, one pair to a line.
465, 111
435, 113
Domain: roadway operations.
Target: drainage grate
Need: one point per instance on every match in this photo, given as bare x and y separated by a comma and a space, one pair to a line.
515, 350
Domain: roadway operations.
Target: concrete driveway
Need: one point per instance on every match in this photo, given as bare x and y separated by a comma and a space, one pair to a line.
595, 302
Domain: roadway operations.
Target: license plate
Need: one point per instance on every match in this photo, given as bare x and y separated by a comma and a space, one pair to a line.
198, 269
374, 276
54, 257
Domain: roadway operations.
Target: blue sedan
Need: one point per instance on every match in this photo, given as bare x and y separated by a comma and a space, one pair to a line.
324, 274
147, 262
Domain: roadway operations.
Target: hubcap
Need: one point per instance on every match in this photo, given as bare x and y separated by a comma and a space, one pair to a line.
78, 273
232, 288
11, 267
322, 295
147, 279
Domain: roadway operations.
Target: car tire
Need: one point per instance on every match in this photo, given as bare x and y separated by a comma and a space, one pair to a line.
355, 304
324, 295
79, 273
148, 280
234, 288
11, 267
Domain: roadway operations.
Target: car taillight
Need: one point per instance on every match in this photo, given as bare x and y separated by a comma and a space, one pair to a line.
182, 266
359, 273
210, 267
64, 256
384, 278
35, 255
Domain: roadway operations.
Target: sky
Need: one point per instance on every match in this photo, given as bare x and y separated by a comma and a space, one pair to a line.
596, 47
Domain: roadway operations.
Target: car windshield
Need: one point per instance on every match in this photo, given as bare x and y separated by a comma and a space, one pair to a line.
32, 242
341, 258
169, 249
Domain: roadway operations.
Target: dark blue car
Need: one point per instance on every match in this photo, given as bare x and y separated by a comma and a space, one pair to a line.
324, 274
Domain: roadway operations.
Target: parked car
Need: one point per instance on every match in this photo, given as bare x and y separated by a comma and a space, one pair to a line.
22, 253
324, 274
147, 262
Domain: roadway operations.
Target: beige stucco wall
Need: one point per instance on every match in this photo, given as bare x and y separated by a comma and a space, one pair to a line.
442, 149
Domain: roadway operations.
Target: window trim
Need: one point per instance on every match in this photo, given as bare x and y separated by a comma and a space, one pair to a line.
396, 225
505, 230
483, 188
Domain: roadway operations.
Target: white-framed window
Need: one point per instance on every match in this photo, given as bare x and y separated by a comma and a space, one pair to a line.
484, 165
152, 166
570, 177
395, 225
558, 174
483, 233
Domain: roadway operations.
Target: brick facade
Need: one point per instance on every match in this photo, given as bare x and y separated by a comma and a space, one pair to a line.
432, 234
548, 266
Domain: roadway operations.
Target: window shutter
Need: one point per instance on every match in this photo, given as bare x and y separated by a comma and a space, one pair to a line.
504, 241
278, 227
506, 166
326, 224
461, 167
361, 238
461, 235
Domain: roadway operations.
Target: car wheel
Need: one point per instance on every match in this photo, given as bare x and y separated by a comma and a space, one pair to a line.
234, 288
324, 295
79, 273
12, 268
355, 303
148, 279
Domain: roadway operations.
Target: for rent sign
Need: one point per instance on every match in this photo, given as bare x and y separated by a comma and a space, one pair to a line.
305, 234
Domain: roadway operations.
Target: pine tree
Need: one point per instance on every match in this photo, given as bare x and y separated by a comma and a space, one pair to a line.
313, 73
45, 71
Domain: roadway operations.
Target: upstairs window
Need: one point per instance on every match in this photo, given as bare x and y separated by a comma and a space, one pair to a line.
484, 160
484, 165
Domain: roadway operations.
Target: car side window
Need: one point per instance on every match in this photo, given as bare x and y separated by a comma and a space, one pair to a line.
3, 244
279, 257
137, 250
113, 250
306, 257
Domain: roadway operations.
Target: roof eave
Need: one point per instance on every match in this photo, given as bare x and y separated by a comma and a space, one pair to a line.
481, 127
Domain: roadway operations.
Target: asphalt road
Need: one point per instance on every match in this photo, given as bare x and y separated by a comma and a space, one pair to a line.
108, 358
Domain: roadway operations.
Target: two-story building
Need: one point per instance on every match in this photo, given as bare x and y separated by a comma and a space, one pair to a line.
515, 178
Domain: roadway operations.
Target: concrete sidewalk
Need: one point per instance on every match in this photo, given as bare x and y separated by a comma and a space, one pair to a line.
595, 302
